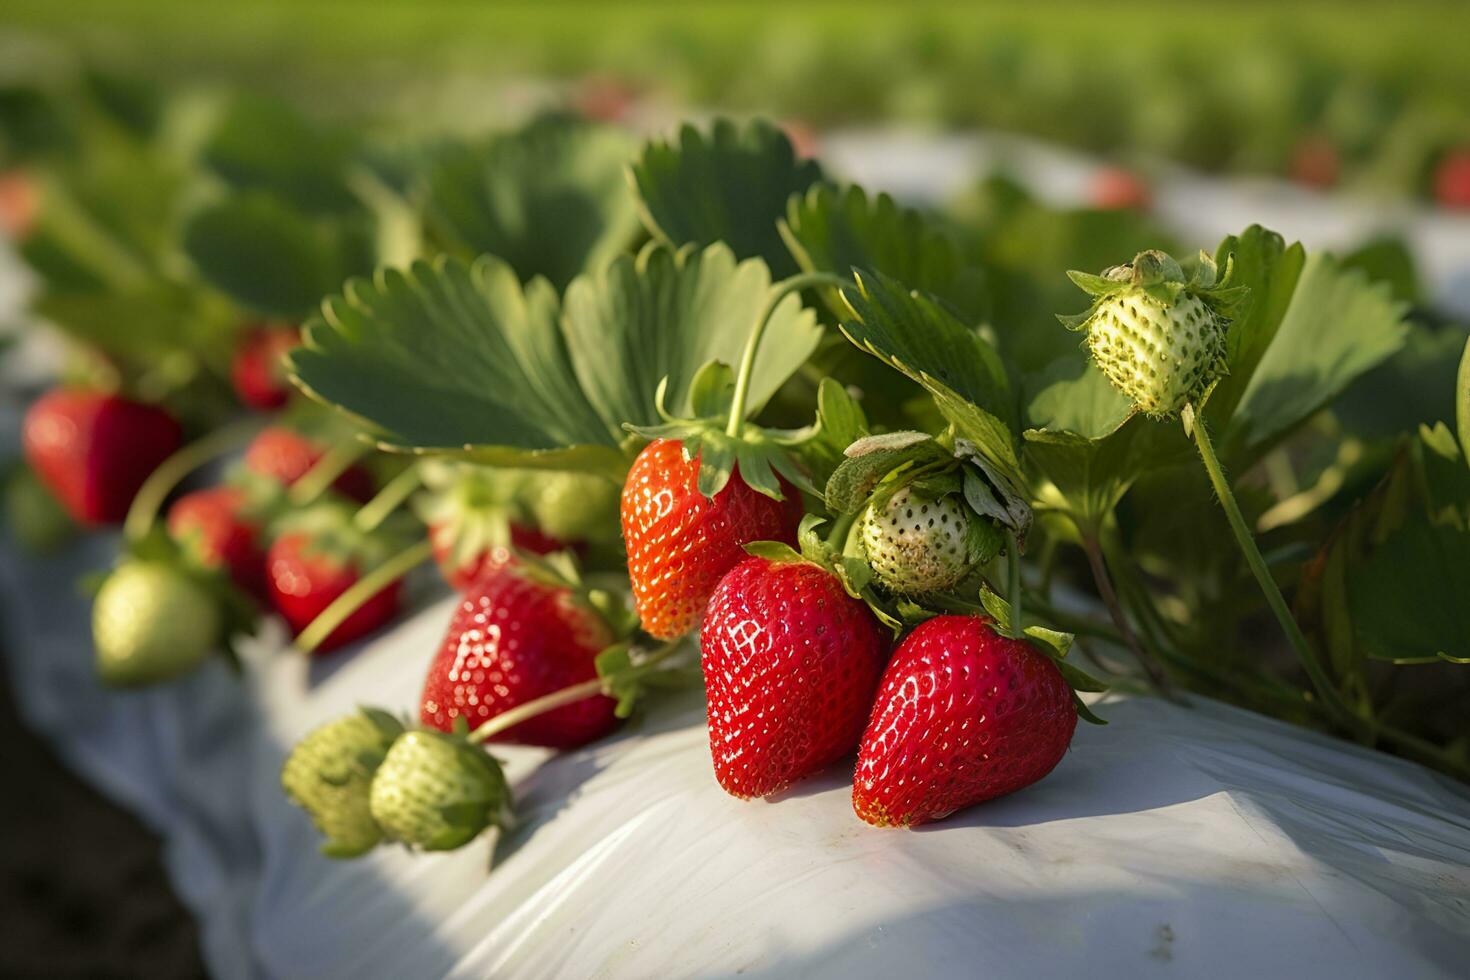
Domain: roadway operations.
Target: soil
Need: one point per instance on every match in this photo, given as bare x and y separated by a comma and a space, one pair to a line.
83, 892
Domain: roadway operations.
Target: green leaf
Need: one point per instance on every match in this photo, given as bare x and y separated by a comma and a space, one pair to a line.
449, 357
1072, 395
916, 336
712, 391
272, 258
837, 230
776, 551
870, 460
1408, 599
729, 186
264, 144
1335, 327
551, 199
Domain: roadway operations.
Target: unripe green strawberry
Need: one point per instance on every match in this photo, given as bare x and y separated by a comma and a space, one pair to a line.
437, 791
1158, 338
150, 623
330, 772
918, 544
574, 506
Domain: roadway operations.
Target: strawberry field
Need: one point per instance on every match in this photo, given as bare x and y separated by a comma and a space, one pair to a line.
626, 517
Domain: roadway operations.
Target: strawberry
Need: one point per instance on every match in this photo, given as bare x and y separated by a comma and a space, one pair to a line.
462, 571
1452, 179
285, 456
513, 639
329, 774
150, 623
962, 715
475, 518
317, 556
681, 543
20, 202
1118, 189
95, 450
258, 370
217, 528
918, 544
437, 792
1159, 338
1315, 162
790, 662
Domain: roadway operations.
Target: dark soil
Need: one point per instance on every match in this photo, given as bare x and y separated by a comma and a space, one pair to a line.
82, 887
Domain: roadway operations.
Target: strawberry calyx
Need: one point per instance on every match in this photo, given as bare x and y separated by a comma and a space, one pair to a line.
1052, 644
328, 531
470, 507
607, 596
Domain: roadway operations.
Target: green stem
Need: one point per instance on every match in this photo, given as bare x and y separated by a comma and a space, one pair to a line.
747, 360
1305, 655
1092, 547
1013, 584
565, 696
360, 592
841, 528
334, 462
376, 511
161, 482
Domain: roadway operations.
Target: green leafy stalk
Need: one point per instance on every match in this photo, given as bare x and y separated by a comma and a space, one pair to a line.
161, 482
1013, 591
361, 591
752, 346
1092, 547
377, 510
565, 696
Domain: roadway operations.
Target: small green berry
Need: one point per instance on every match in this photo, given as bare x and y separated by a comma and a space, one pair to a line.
917, 544
329, 775
436, 791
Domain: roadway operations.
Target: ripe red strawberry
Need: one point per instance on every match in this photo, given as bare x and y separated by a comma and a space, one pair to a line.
284, 456
318, 556
20, 202
257, 370
462, 572
95, 450
1315, 163
1117, 189
680, 543
1452, 179
791, 662
963, 715
217, 528
514, 639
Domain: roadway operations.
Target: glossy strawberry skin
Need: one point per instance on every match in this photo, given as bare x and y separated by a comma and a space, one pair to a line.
280, 454
93, 451
257, 372
303, 581
214, 527
681, 543
791, 662
963, 715
513, 640
462, 575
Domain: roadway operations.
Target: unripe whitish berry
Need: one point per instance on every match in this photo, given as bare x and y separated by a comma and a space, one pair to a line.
151, 623
436, 791
917, 544
329, 775
1160, 340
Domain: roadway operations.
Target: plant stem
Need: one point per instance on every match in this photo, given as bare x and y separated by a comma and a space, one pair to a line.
1013, 584
376, 511
360, 592
1092, 547
1305, 655
161, 482
334, 462
747, 360
565, 696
